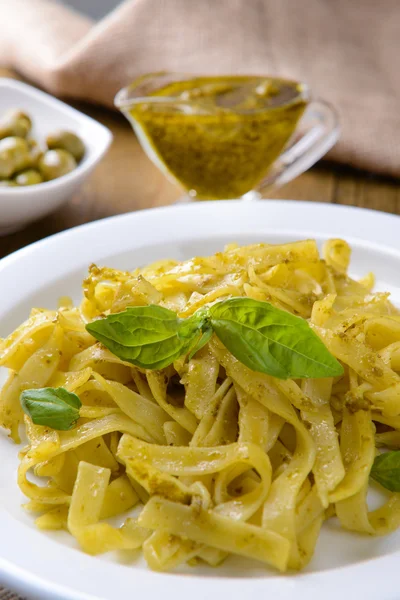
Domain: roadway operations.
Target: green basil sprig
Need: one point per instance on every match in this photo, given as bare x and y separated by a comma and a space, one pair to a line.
261, 336
258, 334
386, 470
53, 407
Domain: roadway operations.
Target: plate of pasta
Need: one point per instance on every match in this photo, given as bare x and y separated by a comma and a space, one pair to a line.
203, 400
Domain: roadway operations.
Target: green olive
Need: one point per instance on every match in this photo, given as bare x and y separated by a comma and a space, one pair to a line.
66, 140
14, 156
55, 163
35, 151
8, 183
28, 177
15, 123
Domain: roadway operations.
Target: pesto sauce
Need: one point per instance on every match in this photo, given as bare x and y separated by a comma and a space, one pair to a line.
218, 136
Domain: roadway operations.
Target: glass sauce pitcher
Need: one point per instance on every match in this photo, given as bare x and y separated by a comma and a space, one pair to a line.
227, 137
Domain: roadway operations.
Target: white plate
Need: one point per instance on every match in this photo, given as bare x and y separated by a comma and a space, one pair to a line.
48, 566
19, 206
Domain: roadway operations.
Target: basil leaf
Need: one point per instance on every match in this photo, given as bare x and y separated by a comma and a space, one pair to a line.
151, 337
203, 340
261, 336
53, 407
271, 341
386, 470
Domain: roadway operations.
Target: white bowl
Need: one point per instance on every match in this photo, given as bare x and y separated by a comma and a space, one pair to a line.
20, 206
46, 565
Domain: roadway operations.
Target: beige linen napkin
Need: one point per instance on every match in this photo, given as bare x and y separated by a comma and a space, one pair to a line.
347, 51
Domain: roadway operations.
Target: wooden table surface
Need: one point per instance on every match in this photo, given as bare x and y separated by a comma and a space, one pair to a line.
126, 180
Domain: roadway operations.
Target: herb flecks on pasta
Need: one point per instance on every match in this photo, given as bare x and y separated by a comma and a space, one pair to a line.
212, 451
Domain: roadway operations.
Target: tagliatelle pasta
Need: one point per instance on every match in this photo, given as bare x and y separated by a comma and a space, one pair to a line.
207, 458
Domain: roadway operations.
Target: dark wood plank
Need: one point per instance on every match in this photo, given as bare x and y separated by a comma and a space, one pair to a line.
316, 185
367, 191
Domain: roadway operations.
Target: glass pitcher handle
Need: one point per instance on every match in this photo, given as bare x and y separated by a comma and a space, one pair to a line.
317, 132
